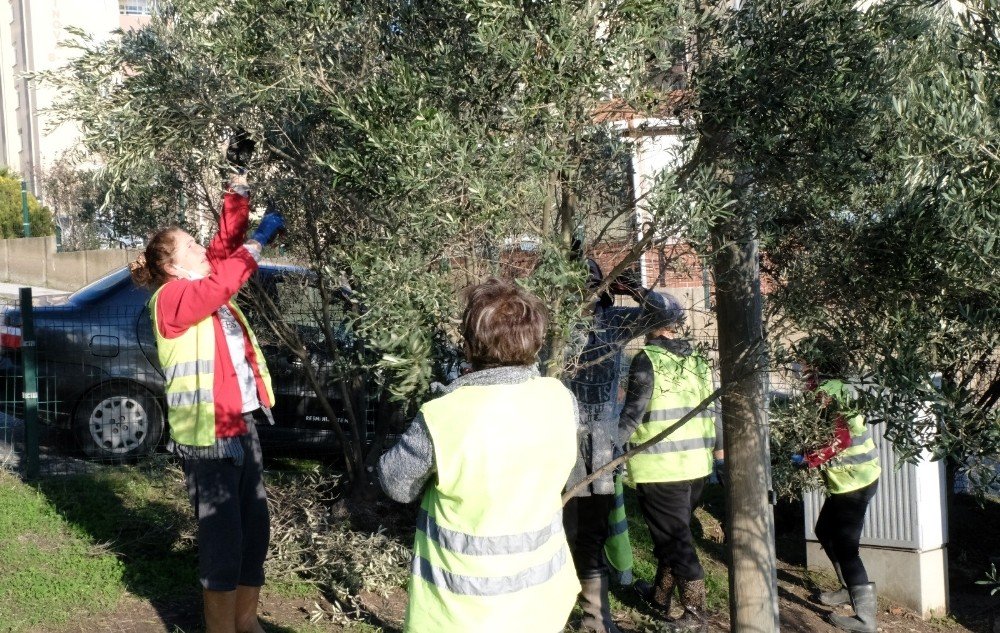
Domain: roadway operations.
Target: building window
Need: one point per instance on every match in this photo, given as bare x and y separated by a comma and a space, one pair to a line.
136, 7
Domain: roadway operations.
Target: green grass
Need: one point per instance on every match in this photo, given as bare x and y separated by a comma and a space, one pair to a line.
142, 513
291, 588
72, 546
51, 569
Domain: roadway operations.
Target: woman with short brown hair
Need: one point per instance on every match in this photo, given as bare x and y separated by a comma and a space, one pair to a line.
491, 458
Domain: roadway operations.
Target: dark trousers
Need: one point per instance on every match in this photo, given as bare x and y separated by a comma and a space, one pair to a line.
838, 529
668, 508
585, 520
230, 504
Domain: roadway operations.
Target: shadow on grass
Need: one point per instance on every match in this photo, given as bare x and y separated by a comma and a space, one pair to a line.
142, 515
151, 536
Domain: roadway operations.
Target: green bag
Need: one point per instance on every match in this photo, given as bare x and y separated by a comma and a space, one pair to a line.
618, 548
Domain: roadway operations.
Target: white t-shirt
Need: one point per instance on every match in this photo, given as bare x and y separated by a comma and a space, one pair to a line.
238, 352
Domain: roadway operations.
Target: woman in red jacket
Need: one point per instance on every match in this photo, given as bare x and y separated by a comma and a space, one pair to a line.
203, 339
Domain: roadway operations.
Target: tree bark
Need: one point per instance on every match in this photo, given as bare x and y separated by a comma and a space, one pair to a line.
753, 592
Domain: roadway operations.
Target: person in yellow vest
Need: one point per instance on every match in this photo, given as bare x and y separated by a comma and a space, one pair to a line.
667, 379
851, 470
490, 459
217, 390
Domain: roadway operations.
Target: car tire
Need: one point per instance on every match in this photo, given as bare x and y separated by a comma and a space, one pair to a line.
118, 422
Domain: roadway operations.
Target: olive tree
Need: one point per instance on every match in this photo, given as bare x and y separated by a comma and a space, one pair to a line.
904, 276
414, 147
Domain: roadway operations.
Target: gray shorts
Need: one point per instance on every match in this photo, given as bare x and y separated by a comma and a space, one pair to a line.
230, 504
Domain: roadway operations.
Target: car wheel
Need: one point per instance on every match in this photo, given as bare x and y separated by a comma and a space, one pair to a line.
118, 422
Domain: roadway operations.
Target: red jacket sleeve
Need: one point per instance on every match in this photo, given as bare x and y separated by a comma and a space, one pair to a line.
841, 440
232, 227
184, 302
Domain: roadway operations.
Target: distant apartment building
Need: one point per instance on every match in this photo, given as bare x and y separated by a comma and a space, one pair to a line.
30, 34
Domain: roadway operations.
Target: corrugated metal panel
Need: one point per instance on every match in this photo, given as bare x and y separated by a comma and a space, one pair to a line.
892, 516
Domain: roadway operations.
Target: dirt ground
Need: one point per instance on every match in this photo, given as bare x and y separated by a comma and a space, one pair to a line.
283, 615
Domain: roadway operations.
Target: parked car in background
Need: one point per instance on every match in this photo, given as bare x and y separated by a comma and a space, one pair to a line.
99, 376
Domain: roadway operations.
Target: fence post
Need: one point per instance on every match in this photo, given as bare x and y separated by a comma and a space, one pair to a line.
29, 360
25, 214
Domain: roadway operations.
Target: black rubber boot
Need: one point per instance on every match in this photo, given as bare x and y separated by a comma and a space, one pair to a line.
596, 606
838, 597
865, 603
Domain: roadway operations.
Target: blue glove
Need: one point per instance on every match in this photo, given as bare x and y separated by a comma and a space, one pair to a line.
799, 461
269, 226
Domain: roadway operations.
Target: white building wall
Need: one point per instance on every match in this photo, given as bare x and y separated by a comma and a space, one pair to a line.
30, 35
50, 18
10, 140
656, 149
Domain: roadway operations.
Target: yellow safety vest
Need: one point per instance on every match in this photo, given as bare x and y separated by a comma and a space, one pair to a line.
188, 364
490, 553
680, 383
858, 465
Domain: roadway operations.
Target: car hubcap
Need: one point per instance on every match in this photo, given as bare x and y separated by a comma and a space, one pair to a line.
118, 424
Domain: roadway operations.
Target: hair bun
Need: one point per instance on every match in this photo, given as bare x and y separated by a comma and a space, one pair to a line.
139, 263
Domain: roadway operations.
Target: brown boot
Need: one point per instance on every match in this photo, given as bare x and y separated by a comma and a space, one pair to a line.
661, 592
692, 596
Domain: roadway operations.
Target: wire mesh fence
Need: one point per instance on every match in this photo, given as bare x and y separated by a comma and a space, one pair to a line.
100, 390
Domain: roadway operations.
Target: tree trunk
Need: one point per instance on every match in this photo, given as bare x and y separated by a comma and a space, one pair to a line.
753, 592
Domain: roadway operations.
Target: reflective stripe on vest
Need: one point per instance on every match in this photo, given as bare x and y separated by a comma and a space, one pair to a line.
490, 585
490, 553
857, 465
680, 383
678, 446
676, 414
473, 545
188, 365
189, 398
189, 369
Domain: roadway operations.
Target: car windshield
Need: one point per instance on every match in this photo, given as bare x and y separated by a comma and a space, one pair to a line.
98, 288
